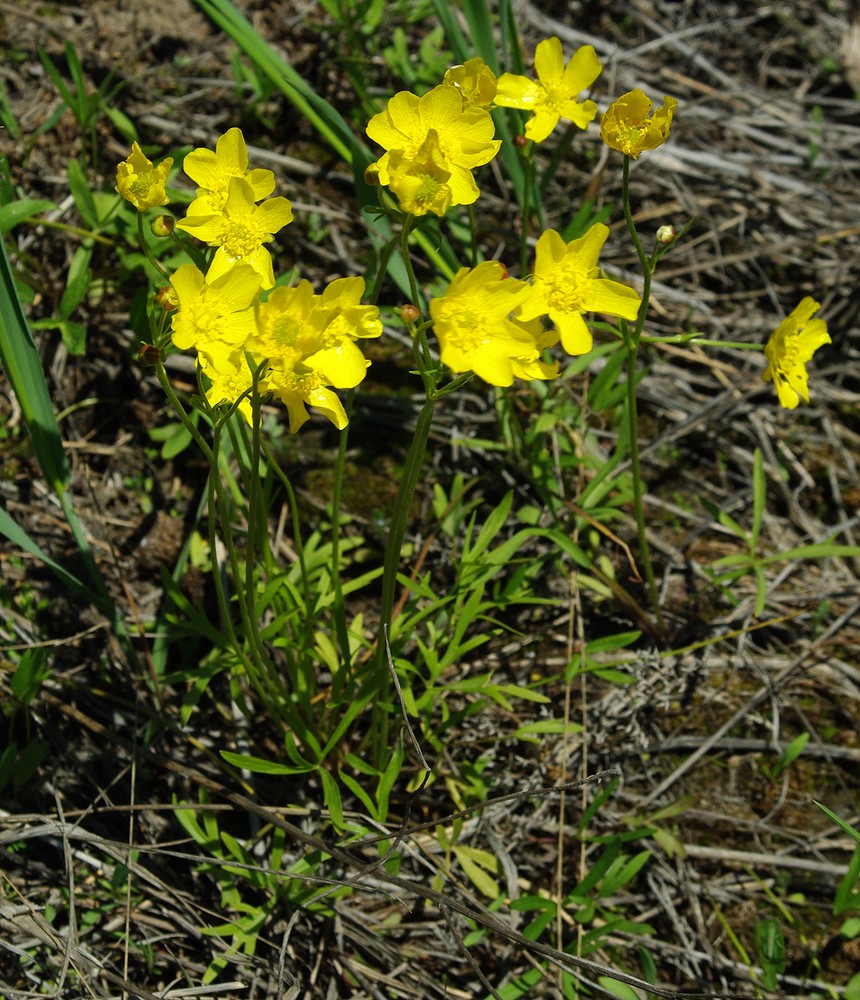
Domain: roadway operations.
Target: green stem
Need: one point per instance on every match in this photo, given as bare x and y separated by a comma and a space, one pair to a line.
639, 486
144, 246
692, 338
632, 339
528, 181
339, 608
407, 260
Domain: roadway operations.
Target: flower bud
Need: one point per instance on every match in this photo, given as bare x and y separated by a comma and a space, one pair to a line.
371, 175
409, 313
167, 298
162, 225
666, 234
148, 356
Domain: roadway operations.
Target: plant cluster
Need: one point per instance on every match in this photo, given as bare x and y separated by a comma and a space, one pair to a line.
346, 691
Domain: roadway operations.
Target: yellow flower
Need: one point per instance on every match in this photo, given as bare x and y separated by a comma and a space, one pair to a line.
567, 282
140, 183
299, 389
309, 341
240, 231
462, 140
473, 324
212, 171
475, 81
230, 378
789, 348
421, 183
213, 313
625, 124
553, 95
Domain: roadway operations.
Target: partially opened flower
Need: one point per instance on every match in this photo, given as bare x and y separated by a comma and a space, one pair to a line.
230, 379
790, 347
240, 231
553, 95
140, 183
215, 313
625, 124
475, 81
462, 140
211, 171
473, 324
567, 282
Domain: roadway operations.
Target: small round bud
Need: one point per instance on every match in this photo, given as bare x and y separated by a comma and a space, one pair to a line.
520, 141
167, 298
148, 356
162, 225
371, 175
666, 234
409, 313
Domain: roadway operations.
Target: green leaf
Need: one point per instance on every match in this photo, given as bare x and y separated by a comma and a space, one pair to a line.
854, 834
770, 945
23, 367
617, 989
30, 674
17, 212
259, 766
83, 195
790, 754
475, 863
759, 497
77, 280
332, 799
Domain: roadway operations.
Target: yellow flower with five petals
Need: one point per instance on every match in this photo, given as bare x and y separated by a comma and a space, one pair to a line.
213, 313
463, 140
625, 124
553, 95
790, 347
567, 282
472, 322
240, 231
212, 170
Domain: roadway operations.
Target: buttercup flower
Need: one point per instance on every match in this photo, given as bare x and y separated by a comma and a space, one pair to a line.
309, 341
475, 81
553, 95
462, 140
212, 171
140, 183
240, 231
473, 324
790, 347
567, 282
213, 313
625, 124
230, 378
